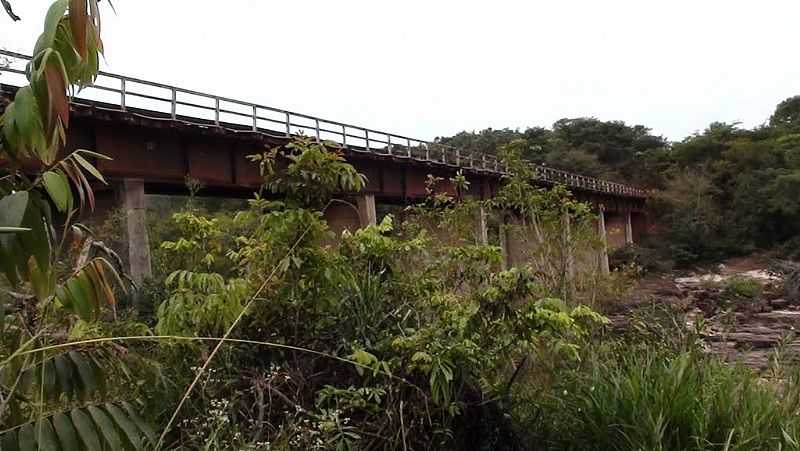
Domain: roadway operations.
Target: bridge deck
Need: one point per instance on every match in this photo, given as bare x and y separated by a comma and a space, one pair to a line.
159, 101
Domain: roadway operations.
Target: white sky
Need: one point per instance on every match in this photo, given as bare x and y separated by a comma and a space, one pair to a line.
435, 67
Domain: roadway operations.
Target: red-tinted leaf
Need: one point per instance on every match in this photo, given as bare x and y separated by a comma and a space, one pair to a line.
78, 21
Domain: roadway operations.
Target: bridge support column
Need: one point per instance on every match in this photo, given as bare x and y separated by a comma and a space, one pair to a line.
601, 229
132, 193
628, 229
481, 230
366, 210
569, 263
503, 232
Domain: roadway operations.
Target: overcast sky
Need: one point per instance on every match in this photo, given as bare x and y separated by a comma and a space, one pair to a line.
435, 67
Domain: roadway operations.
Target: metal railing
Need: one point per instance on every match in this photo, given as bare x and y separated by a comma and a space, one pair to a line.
160, 101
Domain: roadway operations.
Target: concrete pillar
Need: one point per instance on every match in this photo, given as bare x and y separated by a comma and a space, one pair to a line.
601, 229
569, 276
132, 193
628, 229
481, 230
506, 263
366, 210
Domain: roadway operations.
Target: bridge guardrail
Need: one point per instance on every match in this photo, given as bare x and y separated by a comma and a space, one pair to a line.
185, 105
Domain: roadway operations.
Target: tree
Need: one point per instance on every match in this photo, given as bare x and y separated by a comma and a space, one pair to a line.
787, 114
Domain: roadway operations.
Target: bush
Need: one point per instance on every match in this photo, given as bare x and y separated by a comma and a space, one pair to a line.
741, 287
649, 259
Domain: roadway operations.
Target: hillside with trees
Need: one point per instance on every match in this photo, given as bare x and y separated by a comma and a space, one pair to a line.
724, 191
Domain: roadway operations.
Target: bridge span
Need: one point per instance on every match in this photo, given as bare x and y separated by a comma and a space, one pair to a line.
159, 134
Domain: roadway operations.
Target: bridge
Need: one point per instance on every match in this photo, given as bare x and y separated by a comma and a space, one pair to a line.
159, 134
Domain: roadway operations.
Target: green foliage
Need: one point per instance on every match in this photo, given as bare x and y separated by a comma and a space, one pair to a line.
389, 337
106, 426
200, 304
307, 173
57, 400
657, 401
723, 191
640, 256
787, 114
743, 287
587, 146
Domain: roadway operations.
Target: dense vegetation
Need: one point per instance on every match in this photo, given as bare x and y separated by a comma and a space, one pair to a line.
720, 192
268, 331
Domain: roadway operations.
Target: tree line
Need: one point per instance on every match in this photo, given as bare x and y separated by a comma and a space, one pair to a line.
723, 191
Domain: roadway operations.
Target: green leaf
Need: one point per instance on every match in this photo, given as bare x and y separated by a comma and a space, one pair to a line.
12, 213
82, 305
9, 441
132, 433
89, 167
65, 371
45, 436
86, 373
87, 287
8, 265
37, 241
66, 433
27, 438
94, 154
51, 21
140, 423
3, 300
106, 426
27, 121
86, 431
58, 188
48, 376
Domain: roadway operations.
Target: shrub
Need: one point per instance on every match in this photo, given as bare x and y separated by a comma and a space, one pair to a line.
741, 287
649, 259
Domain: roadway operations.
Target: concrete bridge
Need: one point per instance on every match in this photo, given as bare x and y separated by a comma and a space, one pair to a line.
158, 135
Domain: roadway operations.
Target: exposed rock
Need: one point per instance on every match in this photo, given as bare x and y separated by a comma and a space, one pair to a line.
791, 286
779, 303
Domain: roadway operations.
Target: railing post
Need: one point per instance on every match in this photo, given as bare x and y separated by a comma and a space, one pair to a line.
255, 119
427, 152
288, 125
366, 138
408, 147
174, 103
344, 136
316, 128
389, 143
122, 90
216, 111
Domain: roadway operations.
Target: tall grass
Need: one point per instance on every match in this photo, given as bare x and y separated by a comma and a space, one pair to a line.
657, 401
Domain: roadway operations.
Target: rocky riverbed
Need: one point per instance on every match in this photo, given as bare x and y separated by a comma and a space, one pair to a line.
750, 308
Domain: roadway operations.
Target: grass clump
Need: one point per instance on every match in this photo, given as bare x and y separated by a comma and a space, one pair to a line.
651, 400
743, 287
